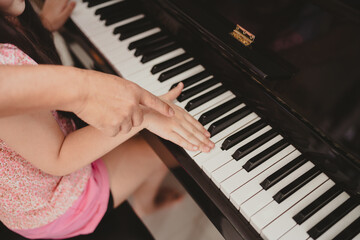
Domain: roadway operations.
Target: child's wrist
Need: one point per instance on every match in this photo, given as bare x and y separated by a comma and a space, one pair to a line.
146, 115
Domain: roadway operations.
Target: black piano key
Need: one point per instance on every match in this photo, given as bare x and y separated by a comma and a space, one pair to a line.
265, 155
154, 46
148, 56
94, 3
122, 16
230, 119
283, 172
147, 40
112, 9
132, 25
242, 134
216, 112
197, 89
317, 204
350, 231
257, 142
177, 70
196, 102
168, 63
193, 79
295, 185
128, 34
327, 222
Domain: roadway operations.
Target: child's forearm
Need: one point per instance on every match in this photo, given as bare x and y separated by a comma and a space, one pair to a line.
29, 88
82, 147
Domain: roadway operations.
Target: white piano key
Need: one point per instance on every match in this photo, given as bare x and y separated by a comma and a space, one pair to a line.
341, 224
323, 212
199, 82
224, 172
117, 51
119, 54
238, 107
168, 83
155, 84
206, 106
226, 132
84, 15
283, 220
118, 47
98, 31
204, 157
234, 127
249, 189
184, 103
241, 177
217, 158
212, 164
165, 88
274, 209
150, 81
200, 157
258, 201
134, 65
255, 203
104, 34
295, 233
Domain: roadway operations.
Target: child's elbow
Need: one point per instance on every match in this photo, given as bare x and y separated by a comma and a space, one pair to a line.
57, 170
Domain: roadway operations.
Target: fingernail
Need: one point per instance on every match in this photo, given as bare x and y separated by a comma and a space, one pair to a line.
195, 148
206, 149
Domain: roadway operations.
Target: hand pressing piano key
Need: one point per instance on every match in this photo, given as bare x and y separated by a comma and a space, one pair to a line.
181, 129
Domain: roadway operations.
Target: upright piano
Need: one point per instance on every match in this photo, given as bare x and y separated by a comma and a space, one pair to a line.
277, 84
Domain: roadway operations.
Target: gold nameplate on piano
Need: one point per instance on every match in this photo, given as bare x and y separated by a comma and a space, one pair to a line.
242, 35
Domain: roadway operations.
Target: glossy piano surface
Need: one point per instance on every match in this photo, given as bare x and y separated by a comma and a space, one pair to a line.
314, 45
288, 77
321, 41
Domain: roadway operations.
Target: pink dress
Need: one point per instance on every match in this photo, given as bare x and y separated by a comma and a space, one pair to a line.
38, 205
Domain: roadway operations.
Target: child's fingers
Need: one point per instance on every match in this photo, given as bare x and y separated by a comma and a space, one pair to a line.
196, 136
173, 93
65, 14
197, 124
182, 142
149, 100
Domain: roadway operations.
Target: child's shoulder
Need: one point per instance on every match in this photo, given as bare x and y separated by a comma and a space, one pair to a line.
10, 54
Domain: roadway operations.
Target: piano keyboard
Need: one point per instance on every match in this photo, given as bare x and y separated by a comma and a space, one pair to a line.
274, 186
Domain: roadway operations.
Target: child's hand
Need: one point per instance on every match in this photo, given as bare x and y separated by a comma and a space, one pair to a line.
55, 13
181, 129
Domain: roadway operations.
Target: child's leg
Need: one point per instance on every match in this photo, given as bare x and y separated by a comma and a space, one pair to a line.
134, 168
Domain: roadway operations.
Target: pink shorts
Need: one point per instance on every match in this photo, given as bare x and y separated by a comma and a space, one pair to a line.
86, 212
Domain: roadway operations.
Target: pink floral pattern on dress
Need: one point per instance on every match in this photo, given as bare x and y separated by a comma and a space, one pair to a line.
30, 198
